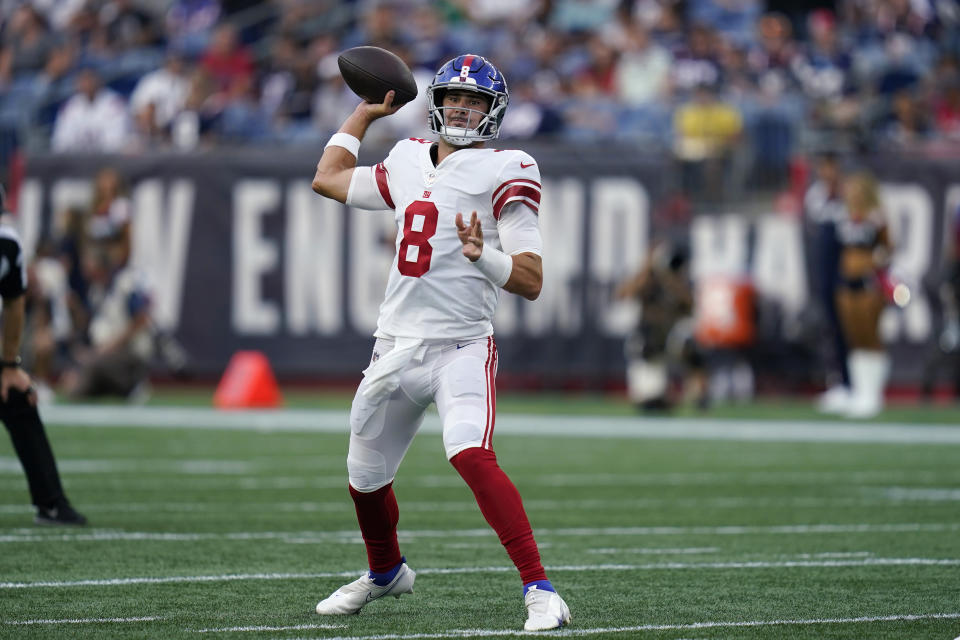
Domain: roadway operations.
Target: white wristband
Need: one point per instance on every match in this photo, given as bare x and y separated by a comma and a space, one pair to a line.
345, 140
494, 264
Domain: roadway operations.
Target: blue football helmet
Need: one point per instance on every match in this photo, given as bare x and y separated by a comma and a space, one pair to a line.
471, 73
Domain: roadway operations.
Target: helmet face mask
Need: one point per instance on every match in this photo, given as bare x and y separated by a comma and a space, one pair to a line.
467, 73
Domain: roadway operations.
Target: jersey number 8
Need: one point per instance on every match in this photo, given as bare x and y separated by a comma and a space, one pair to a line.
419, 225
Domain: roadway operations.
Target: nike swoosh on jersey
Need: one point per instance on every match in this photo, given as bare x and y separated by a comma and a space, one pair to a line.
527, 166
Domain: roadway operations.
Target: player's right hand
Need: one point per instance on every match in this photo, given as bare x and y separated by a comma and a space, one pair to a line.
375, 111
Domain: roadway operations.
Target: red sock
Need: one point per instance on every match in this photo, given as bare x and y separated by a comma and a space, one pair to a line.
500, 504
378, 515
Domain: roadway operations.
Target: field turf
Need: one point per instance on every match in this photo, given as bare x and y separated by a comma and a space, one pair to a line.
199, 532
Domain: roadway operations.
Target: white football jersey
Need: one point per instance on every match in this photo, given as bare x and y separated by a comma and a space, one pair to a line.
434, 292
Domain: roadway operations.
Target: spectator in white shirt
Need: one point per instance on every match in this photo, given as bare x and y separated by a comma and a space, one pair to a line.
159, 97
94, 119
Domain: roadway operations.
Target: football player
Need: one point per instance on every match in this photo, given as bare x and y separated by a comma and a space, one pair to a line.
466, 228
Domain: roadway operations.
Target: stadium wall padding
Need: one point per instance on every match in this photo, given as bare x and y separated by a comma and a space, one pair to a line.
243, 255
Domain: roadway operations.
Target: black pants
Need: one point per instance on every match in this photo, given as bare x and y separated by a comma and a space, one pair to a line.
30, 442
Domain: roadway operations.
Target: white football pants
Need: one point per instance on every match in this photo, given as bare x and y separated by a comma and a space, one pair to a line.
459, 377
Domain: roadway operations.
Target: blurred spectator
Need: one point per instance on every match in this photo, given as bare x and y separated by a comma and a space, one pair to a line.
598, 75
227, 62
775, 48
59, 13
643, 70
946, 112
865, 250
72, 247
290, 81
121, 337
581, 16
377, 26
49, 326
430, 41
189, 23
334, 101
734, 19
229, 66
663, 290
197, 120
696, 63
824, 210
94, 119
129, 26
158, 98
705, 131
532, 112
823, 69
108, 226
907, 126
25, 45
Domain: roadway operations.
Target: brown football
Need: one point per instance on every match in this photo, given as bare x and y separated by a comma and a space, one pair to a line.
371, 71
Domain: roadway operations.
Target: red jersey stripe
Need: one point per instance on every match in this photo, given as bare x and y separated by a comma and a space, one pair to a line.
381, 172
509, 183
523, 193
490, 370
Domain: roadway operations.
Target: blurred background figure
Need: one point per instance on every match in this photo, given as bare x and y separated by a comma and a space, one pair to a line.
108, 224
865, 250
725, 329
663, 291
824, 210
706, 130
94, 119
157, 100
121, 336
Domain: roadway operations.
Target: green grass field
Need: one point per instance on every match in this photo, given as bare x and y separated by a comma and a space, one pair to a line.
199, 532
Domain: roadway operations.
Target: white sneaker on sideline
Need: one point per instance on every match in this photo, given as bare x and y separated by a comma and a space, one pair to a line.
545, 610
836, 399
350, 598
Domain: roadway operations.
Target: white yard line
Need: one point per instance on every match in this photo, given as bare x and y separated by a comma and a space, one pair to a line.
263, 628
511, 424
345, 506
786, 564
199, 483
654, 551
315, 537
82, 620
573, 631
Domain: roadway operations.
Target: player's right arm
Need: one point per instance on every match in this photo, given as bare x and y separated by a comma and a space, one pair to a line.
335, 169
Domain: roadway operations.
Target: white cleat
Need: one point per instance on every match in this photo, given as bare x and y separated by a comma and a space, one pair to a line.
545, 610
350, 598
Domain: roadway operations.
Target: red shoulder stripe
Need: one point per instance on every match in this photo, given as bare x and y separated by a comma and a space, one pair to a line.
381, 172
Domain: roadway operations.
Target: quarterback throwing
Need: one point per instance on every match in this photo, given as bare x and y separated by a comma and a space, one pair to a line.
467, 227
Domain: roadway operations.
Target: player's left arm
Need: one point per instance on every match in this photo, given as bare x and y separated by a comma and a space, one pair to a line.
519, 267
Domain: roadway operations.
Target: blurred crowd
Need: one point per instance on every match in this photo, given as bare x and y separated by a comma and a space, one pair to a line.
731, 87
89, 328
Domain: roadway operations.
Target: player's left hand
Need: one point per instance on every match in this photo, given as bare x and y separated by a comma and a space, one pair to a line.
471, 236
